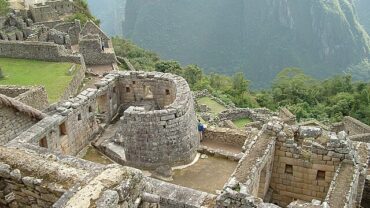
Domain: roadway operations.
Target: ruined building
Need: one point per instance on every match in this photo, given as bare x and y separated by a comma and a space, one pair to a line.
145, 125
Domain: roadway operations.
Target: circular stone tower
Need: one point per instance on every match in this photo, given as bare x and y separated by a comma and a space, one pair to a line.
159, 125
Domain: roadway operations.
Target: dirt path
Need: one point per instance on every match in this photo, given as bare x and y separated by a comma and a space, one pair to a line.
342, 186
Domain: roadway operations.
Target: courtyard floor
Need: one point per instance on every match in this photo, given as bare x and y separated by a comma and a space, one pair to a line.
206, 175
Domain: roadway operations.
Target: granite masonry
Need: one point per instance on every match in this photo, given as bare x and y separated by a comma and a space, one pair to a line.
147, 120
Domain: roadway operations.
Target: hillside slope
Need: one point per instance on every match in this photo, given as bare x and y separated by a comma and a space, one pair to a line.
363, 10
259, 37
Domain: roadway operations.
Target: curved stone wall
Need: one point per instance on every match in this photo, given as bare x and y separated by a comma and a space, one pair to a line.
162, 135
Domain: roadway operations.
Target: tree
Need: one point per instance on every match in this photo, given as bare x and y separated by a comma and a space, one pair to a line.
240, 84
168, 67
192, 74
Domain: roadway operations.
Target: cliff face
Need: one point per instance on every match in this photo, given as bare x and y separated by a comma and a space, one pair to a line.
363, 10
259, 37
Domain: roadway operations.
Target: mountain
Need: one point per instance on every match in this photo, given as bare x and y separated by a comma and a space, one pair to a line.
111, 13
258, 37
363, 10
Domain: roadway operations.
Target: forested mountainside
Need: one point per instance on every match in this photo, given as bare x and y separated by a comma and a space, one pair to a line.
363, 10
111, 13
259, 37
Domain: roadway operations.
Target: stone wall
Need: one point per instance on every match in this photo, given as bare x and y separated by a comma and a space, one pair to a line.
12, 90
305, 163
366, 193
163, 131
287, 116
73, 29
361, 138
77, 80
226, 136
37, 50
91, 49
33, 177
35, 97
353, 126
51, 10
13, 123
69, 130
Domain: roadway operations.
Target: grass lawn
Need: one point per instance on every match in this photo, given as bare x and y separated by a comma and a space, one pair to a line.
240, 123
215, 107
52, 75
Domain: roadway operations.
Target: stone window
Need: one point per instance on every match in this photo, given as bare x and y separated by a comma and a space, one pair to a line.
43, 142
63, 129
79, 117
320, 175
167, 92
289, 169
133, 82
114, 89
128, 89
90, 109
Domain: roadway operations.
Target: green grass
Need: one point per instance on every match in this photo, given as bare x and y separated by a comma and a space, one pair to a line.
52, 75
215, 107
240, 123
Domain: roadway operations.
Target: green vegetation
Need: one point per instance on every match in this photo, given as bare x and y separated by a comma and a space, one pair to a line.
215, 107
52, 75
258, 38
4, 7
240, 123
83, 13
1, 73
327, 101
141, 59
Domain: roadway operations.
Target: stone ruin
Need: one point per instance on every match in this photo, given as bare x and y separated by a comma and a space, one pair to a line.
41, 32
151, 125
146, 122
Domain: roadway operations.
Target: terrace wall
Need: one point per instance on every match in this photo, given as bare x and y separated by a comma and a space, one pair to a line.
37, 50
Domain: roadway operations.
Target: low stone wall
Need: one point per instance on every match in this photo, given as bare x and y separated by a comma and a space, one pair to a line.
171, 196
35, 97
361, 138
77, 80
12, 90
257, 114
38, 179
37, 50
226, 136
287, 116
354, 126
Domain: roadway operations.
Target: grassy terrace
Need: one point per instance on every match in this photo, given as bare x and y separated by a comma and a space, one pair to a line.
52, 75
240, 123
215, 107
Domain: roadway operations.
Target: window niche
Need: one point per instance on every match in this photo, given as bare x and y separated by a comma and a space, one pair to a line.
289, 169
320, 175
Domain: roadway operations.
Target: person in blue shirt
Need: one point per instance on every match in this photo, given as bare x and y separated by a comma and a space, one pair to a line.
201, 129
